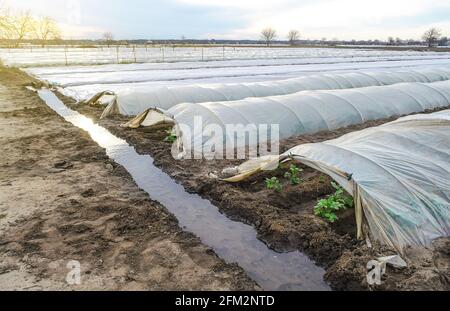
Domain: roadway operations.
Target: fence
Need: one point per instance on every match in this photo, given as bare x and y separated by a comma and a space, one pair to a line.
90, 55
72, 55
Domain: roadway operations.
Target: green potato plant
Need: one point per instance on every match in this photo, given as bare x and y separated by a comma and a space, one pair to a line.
327, 208
274, 184
171, 137
293, 175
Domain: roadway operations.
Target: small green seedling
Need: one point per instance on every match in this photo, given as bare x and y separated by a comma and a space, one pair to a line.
322, 179
171, 137
274, 184
293, 175
327, 208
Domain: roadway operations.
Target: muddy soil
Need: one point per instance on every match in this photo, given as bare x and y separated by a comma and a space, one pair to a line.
285, 221
62, 199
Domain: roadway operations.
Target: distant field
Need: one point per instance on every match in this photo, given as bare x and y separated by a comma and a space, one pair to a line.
58, 56
243, 65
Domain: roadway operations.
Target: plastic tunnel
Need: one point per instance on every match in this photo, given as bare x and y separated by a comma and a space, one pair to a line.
398, 174
296, 114
132, 102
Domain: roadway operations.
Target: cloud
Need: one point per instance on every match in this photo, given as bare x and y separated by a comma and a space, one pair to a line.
242, 19
68, 14
346, 19
73, 31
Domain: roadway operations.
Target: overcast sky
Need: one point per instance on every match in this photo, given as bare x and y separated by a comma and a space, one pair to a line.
242, 19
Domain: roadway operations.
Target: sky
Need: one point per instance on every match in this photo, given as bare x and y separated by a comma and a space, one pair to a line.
242, 19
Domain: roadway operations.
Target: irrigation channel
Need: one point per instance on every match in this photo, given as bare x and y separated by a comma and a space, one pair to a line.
235, 242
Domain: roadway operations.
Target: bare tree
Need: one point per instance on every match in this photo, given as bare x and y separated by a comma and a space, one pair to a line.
3, 16
431, 36
268, 35
293, 37
391, 41
21, 26
45, 28
108, 37
5, 23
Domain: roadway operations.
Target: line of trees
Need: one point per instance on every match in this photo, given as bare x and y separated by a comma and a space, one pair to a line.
432, 37
268, 35
21, 26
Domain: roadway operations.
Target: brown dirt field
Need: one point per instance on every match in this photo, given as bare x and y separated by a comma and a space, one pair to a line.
285, 221
62, 199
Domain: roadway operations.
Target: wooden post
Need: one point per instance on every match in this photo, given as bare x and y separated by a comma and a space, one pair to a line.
117, 53
65, 56
134, 52
163, 55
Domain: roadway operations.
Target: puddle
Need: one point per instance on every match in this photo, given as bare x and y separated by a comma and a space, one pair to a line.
235, 242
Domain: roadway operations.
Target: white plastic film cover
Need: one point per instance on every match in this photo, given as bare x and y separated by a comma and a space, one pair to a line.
398, 174
134, 101
304, 112
402, 174
151, 57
